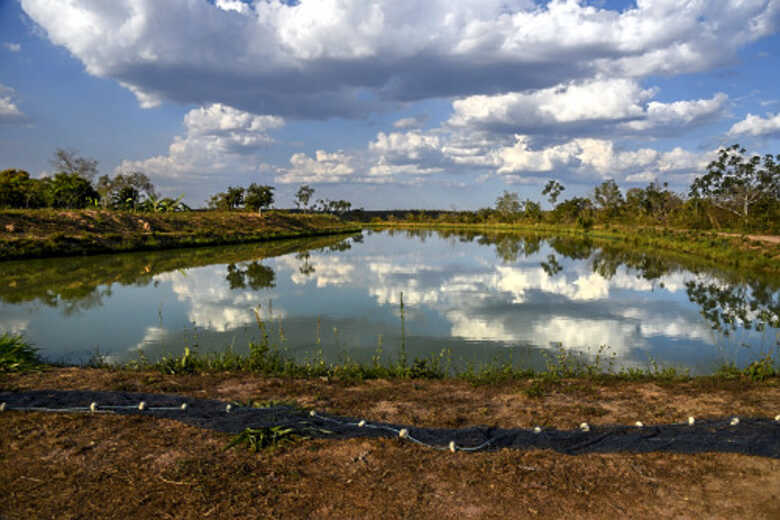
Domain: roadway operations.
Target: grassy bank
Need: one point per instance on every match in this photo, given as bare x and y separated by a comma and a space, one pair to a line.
723, 251
268, 360
46, 233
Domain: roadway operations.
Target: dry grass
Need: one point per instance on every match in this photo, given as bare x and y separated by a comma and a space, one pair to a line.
82, 466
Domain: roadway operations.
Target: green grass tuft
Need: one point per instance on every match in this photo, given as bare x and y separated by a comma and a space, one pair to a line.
16, 355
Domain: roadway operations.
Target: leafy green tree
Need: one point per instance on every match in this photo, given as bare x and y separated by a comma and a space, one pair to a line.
553, 188
126, 198
532, 210
303, 195
18, 190
572, 209
608, 198
230, 199
258, 197
68, 161
736, 184
508, 205
70, 190
125, 190
340, 207
654, 201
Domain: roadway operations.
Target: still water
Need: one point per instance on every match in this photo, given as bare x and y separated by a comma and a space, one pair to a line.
480, 296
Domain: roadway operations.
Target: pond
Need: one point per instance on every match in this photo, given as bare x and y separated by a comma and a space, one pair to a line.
481, 296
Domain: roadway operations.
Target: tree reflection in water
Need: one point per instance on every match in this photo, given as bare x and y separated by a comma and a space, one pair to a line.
256, 275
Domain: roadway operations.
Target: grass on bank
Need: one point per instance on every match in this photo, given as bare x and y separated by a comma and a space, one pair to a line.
49, 233
269, 360
723, 251
17, 355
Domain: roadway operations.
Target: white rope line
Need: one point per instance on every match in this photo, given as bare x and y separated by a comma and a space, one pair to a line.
98, 408
402, 433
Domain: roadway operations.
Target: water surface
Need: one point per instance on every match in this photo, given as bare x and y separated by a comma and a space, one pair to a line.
480, 296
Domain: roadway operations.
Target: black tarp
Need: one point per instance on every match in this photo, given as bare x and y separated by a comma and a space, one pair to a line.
751, 436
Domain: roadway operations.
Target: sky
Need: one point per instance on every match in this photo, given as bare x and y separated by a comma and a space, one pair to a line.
389, 103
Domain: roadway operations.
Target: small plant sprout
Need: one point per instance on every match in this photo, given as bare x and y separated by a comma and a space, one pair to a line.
453, 448
639, 424
734, 421
183, 406
228, 408
585, 427
142, 406
404, 433
93, 407
691, 421
362, 423
313, 413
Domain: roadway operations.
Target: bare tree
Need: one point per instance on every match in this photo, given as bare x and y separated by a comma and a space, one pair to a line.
70, 162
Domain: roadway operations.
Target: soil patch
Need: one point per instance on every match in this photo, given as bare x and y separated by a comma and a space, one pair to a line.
111, 466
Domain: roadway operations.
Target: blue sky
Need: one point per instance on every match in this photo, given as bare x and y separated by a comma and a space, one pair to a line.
389, 103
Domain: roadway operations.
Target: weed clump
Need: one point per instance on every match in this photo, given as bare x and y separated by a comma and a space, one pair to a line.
16, 355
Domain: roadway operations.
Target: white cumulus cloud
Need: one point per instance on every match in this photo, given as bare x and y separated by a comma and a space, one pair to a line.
323, 167
219, 139
757, 125
9, 112
315, 59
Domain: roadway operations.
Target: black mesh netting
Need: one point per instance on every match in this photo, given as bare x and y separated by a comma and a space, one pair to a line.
751, 436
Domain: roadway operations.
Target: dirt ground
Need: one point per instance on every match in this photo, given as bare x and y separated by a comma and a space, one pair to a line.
107, 466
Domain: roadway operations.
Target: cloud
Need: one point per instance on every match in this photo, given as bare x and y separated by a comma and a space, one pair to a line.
613, 99
410, 122
328, 270
678, 114
756, 125
317, 59
323, 167
219, 139
9, 112
12, 47
212, 305
589, 107
587, 158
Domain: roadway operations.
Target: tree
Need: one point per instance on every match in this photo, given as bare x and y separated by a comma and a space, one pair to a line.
68, 161
572, 209
654, 201
532, 210
231, 199
69, 190
553, 188
607, 197
303, 195
339, 207
127, 198
508, 204
258, 197
124, 191
15, 189
736, 184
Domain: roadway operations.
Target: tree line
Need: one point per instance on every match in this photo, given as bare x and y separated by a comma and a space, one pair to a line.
736, 192
75, 185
